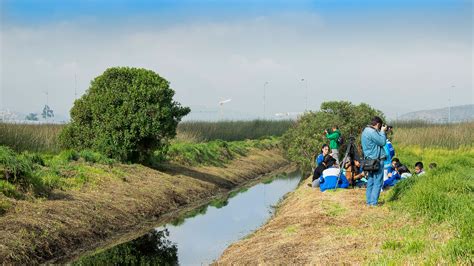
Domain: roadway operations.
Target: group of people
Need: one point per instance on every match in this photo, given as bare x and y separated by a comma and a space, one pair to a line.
378, 156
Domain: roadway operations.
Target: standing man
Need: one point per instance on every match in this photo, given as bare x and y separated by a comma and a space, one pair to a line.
333, 137
373, 141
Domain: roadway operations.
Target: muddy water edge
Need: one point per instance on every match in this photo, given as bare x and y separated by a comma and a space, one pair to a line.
200, 235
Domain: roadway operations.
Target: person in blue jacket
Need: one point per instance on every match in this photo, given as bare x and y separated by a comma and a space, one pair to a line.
389, 153
373, 140
332, 177
324, 152
394, 177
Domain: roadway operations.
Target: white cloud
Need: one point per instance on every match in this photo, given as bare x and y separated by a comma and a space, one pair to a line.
397, 71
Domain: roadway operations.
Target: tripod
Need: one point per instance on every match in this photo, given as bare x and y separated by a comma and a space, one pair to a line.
350, 156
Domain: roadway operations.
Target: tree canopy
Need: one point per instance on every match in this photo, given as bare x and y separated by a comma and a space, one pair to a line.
126, 114
304, 140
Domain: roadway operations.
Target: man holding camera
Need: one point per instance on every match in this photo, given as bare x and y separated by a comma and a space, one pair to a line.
373, 141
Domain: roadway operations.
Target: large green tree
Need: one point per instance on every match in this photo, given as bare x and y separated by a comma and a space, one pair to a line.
127, 114
304, 140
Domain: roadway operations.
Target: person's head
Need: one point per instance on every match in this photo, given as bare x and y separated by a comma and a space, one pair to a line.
376, 122
335, 127
329, 161
402, 169
325, 149
418, 167
396, 165
395, 160
433, 165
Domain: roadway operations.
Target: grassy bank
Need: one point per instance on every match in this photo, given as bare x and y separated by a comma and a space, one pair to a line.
444, 196
30, 175
92, 202
422, 220
215, 153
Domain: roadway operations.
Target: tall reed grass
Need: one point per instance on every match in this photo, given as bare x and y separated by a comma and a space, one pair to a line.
450, 136
233, 130
27, 137
44, 137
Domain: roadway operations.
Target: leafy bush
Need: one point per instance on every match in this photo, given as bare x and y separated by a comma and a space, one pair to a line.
13, 166
305, 138
126, 114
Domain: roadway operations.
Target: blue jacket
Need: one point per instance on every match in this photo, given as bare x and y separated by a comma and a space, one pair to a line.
329, 179
373, 143
390, 153
319, 159
392, 180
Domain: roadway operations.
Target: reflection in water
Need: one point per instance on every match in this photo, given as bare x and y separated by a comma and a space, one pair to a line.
151, 249
202, 238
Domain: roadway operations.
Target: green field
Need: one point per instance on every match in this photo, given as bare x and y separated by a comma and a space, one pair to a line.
443, 198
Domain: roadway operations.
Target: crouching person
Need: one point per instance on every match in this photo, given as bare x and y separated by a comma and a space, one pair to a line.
332, 177
318, 172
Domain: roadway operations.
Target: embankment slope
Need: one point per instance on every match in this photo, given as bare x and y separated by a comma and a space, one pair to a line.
334, 227
75, 221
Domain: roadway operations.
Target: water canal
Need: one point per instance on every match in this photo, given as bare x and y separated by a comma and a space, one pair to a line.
201, 239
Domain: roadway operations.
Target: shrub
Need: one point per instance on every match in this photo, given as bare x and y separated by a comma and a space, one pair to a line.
304, 139
94, 157
126, 114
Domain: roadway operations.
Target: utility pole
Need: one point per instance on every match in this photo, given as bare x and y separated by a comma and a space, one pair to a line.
75, 86
264, 99
306, 94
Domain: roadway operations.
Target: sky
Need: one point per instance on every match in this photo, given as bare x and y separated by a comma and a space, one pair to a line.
398, 56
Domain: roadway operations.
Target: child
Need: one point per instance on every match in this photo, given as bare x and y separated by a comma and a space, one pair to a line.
394, 176
419, 169
324, 152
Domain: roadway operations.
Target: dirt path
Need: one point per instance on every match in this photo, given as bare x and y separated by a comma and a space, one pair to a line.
115, 209
311, 227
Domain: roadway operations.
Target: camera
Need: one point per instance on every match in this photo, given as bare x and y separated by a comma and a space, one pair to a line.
388, 127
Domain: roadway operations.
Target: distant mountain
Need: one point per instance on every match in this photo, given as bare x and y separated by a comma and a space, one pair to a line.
460, 113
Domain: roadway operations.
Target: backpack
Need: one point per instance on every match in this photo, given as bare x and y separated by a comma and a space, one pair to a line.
340, 140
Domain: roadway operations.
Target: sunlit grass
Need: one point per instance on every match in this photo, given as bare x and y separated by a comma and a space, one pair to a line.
450, 136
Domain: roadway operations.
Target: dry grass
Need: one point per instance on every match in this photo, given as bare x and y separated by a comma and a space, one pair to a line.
74, 221
431, 135
25, 137
330, 228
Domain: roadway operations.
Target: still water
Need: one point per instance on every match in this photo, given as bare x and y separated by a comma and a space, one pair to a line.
200, 239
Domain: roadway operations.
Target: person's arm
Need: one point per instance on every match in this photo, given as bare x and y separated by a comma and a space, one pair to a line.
378, 138
332, 136
320, 159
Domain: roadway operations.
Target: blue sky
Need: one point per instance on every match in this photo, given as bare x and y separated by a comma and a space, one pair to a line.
360, 51
49, 11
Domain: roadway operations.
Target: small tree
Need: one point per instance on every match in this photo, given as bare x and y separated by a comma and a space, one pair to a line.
47, 112
126, 114
305, 138
32, 117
